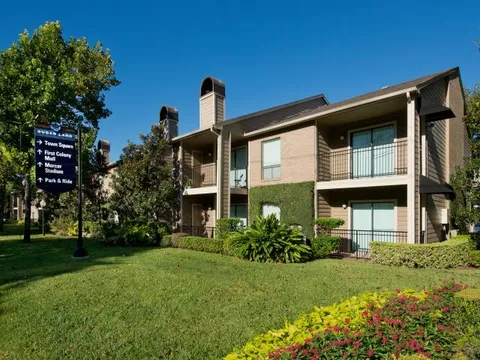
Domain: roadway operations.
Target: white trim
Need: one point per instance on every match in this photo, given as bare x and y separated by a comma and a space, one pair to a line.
200, 190
411, 214
363, 183
218, 186
395, 212
180, 155
315, 169
327, 112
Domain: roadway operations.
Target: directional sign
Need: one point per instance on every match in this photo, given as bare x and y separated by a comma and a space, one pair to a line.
54, 160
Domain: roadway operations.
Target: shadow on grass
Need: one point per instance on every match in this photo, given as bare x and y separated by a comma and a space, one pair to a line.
21, 263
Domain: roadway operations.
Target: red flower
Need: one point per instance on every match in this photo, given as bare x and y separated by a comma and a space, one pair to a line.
336, 328
347, 321
308, 340
384, 340
370, 352
357, 344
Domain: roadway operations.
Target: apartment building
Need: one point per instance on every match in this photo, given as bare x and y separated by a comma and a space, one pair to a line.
380, 161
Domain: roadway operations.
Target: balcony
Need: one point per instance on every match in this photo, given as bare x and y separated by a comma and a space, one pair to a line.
364, 162
238, 178
202, 175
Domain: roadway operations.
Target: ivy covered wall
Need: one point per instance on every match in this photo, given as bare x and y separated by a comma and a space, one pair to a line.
296, 202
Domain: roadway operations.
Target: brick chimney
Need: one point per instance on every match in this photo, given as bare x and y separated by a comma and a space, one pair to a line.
104, 148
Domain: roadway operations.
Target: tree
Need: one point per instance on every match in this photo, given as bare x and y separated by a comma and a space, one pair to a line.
6, 176
466, 180
145, 188
45, 79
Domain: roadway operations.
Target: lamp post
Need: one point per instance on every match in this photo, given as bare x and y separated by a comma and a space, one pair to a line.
43, 203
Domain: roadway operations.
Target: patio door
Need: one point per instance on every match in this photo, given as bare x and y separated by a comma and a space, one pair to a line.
197, 160
372, 221
238, 168
239, 211
373, 152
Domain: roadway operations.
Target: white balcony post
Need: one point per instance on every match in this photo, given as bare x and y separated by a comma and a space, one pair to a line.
411, 148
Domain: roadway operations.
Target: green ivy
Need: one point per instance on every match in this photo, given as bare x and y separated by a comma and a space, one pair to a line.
295, 201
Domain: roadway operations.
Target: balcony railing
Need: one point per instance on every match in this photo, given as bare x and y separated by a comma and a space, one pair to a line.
356, 243
202, 231
201, 175
365, 162
238, 178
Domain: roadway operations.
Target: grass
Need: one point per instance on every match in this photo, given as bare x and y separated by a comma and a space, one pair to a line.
141, 303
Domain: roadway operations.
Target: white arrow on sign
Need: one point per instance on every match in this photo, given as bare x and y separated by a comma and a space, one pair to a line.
40, 180
40, 142
39, 151
39, 164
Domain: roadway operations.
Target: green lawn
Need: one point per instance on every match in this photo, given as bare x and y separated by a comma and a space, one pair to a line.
140, 303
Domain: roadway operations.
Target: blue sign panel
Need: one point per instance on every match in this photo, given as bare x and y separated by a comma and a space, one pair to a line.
54, 160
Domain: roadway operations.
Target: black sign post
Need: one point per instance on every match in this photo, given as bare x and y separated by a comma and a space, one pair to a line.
55, 168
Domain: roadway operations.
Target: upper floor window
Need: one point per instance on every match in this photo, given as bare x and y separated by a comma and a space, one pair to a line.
271, 159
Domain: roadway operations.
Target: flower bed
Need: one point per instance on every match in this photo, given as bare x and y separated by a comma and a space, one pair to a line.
371, 326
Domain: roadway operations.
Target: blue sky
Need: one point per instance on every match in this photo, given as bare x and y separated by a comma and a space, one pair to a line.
266, 52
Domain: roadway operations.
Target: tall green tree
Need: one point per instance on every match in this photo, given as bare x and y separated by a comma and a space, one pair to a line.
7, 174
45, 78
466, 180
145, 187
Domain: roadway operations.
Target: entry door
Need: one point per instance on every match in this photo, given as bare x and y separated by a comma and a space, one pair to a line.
373, 152
238, 168
372, 221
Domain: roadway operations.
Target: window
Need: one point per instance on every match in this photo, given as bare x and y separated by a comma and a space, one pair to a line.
268, 209
271, 159
239, 211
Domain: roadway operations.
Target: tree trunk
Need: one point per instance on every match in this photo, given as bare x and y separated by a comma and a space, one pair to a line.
28, 209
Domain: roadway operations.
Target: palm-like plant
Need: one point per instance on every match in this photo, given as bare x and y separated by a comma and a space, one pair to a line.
269, 240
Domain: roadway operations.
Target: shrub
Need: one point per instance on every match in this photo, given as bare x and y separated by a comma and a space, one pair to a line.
64, 227
176, 238
468, 316
228, 226
133, 233
474, 258
201, 244
449, 254
323, 246
166, 241
269, 240
326, 224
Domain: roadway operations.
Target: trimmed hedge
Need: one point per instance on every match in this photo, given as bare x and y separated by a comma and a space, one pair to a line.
467, 313
201, 244
474, 258
324, 246
448, 254
295, 202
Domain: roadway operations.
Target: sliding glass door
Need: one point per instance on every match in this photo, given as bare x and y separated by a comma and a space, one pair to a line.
372, 221
373, 152
238, 168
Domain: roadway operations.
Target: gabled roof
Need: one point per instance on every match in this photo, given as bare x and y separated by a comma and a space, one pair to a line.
386, 92
275, 114
418, 83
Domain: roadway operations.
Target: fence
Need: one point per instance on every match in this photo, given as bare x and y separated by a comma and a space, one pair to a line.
203, 231
356, 243
365, 162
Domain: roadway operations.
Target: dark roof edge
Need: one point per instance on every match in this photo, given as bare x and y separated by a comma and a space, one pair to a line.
266, 111
437, 77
